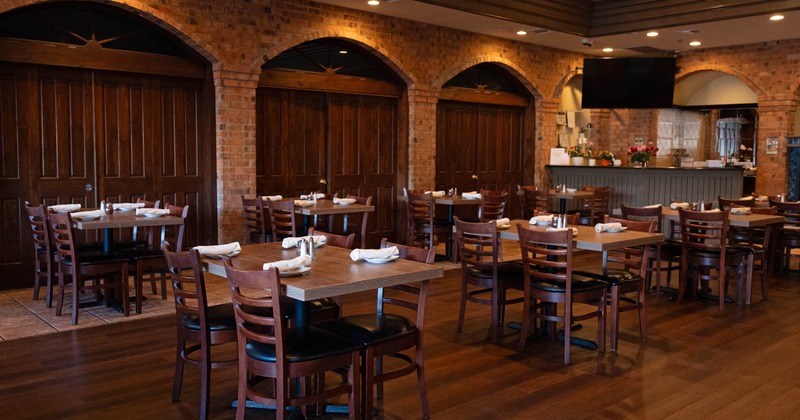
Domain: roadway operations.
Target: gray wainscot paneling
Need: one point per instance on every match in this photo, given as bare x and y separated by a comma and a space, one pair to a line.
644, 186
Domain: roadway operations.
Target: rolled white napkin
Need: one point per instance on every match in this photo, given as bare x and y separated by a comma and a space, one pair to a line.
436, 193
505, 221
64, 208
144, 211
740, 210
604, 227
337, 200
747, 197
303, 203
294, 263
652, 206
712, 211
369, 254
474, 195
675, 206
90, 214
127, 206
552, 229
544, 219
292, 241
762, 198
223, 249
272, 197
311, 196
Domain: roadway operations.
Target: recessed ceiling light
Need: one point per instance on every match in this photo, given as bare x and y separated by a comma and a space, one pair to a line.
607, 49
342, 51
776, 17
521, 32
695, 43
652, 34
373, 2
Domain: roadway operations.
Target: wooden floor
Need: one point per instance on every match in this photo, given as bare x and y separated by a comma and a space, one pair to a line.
697, 363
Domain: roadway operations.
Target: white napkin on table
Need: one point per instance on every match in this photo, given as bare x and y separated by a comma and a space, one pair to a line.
311, 196
292, 241
604, 227
294, 263
143, 211
748, 197
337, 200
474, 195
223, 249
127, 206
675, 206
436, 193
502, 222
303, 203
552, 229
740, 210
652, 206
91, 214
712, 211
369, 254
272, 197
64, 208
545, 218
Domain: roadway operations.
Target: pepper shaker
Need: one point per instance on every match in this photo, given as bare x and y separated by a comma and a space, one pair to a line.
109, 208
312, 248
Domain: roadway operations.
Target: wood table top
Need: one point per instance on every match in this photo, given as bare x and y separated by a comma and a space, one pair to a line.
588, 239
332, 273
124, 219
328, 207
457, 200
741, 220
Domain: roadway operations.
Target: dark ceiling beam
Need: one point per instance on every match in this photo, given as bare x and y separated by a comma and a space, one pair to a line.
609, 17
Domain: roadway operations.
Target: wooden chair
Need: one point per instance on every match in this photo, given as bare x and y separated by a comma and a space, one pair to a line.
150, 260
387, 334
549, 282
256, 223
484, 279
270, 353
199, 327
786, 235
44, 263
342, 241
706, 255
493, 205
357, 222
756, 241
282, 218
88, 271
596, 207
423, 227
669, 251
727, 203
625, 270
534, 202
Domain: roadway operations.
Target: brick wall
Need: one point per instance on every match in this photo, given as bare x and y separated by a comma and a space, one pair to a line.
237, 37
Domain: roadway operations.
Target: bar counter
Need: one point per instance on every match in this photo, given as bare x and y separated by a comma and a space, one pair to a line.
651, 185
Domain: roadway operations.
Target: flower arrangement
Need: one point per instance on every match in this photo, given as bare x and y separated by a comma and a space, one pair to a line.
641, 153
605, 154
575, 151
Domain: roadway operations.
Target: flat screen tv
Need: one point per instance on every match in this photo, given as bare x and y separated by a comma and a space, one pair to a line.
634, 82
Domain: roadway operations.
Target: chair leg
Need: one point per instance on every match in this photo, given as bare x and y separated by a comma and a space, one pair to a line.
463, 307
614, 317
60, 303
369, 382
423, 388
177, 380
205, 381
526, 322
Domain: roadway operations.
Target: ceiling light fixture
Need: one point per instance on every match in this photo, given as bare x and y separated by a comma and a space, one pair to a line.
373, 2
521, 32
608, 49
776, 18
695, 43
652, 34
342, 51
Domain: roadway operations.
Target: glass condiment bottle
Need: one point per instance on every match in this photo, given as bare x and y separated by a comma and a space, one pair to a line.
109, 208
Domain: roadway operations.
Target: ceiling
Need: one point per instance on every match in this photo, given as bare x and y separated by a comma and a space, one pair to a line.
618, 24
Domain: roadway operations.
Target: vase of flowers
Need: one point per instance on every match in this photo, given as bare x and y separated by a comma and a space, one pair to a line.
576, 153
641, 153
606, 157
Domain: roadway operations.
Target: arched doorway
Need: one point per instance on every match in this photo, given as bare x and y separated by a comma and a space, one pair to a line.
99, 104
328, 120
481, 127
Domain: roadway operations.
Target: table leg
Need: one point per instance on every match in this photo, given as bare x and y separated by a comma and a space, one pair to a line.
108, 240
562, 206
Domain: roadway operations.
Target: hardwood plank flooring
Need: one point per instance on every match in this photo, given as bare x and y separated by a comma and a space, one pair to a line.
698, 362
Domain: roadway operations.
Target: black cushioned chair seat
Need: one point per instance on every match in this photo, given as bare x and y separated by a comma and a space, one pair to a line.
370, 328
140, 253
303, 344
579, 284
730, 252
96, 257
613, 276
220, 317
504, 269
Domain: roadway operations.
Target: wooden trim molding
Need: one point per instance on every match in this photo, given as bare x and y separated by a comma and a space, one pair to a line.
482, 97
327, 82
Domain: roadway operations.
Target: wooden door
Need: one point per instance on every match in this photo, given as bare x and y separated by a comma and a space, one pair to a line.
16, 247
456, 146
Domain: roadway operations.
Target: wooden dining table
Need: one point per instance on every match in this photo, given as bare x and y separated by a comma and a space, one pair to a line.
333, 272
325, 207
123, 219
591, 240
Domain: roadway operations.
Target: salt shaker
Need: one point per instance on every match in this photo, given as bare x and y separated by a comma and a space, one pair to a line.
302, 247
312, 248
702, 205
103, 206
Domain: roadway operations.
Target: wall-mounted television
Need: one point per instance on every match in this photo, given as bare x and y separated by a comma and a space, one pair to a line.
633, 82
